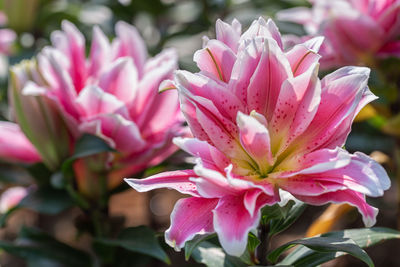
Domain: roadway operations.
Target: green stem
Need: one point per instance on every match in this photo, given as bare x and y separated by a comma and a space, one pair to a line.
397, 158
262, 249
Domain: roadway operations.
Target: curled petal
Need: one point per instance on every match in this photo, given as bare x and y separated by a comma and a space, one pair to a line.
302, 56
345, 196
216, 59
203, 150
177, 180
233, 236
191, 216
228, 34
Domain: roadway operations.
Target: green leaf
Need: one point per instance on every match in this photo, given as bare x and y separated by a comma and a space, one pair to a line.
272, 212
363, 237
281, 224
47, 200
213, 256
192, 244
87, 145
138, 239
325, 244
252, 244
36, 246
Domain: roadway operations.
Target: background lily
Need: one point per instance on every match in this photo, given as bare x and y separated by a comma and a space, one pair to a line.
357, 32
264, 121
112, 94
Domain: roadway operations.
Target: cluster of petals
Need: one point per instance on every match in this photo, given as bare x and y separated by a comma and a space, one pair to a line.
112, 94
356, 31
263, 122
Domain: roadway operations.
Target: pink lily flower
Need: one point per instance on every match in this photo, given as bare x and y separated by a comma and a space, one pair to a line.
356, 31
113, 94
263, 121
11, 198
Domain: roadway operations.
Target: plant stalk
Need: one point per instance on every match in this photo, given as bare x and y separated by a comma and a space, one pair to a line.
262, 249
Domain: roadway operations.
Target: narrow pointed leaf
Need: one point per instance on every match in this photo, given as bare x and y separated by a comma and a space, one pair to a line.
363, 237
325, 245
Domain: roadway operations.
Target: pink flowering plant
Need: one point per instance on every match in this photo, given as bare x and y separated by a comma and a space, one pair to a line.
83, 123
364, 33
111, 94
249, 134
268, 136
356, 32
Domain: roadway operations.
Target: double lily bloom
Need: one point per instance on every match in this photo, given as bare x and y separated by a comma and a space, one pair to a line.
112, 94
264, 123
356, 31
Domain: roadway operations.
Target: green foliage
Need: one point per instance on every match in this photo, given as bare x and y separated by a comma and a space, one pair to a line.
137, 239
213, 256
364, 237
292, 211
192, 244
38, 247
325, 245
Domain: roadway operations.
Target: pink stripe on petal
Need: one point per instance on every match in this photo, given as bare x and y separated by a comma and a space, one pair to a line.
189, 112
296, 107
342, 92
71, 43
255, 139
191, 216
250, 200
177, 180
99, 52
266, 81
198, 85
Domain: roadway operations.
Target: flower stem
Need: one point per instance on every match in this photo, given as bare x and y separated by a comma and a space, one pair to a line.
262, 249
397, 158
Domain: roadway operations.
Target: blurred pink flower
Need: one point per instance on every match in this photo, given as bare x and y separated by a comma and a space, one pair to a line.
11, 198
356, 31
113, 94
14, 146
7, 36
263, 121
